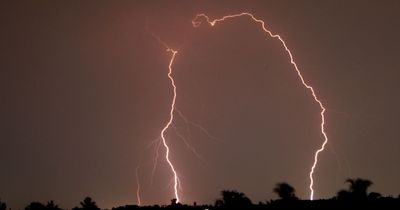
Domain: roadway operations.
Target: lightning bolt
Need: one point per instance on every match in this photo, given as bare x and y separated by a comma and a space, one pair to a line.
171, 118
139, 200
197, 21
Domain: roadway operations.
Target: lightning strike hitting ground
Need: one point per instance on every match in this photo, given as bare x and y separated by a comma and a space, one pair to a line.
139, 201
171, 118
197, 21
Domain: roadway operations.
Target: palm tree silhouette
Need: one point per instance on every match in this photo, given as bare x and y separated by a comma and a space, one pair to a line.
285, 191
52, 206
35, 206
87, 204
3, 206
233, 198
358, 189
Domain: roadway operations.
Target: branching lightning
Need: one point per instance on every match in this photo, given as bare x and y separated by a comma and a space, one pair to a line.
198, 20
161, 141
171, 118
197, 125
186, 142
155, 160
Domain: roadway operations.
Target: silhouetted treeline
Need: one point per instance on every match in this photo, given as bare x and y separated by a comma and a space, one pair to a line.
355, 197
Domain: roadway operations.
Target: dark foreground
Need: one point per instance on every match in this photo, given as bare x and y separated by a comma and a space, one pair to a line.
380, 204
355, 197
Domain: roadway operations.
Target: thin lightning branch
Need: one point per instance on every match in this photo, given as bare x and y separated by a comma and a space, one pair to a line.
339, 161
139, 200
155, 141
187, 121
188, 131
157, 144
197, 21
155, 161
186, 142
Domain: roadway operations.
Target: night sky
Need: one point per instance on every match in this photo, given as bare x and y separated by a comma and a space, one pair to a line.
84, 94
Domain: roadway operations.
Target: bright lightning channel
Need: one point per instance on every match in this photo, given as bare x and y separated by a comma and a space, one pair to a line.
171, 118
197, 21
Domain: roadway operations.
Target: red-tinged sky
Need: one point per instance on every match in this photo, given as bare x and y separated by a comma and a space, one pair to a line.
85, 92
